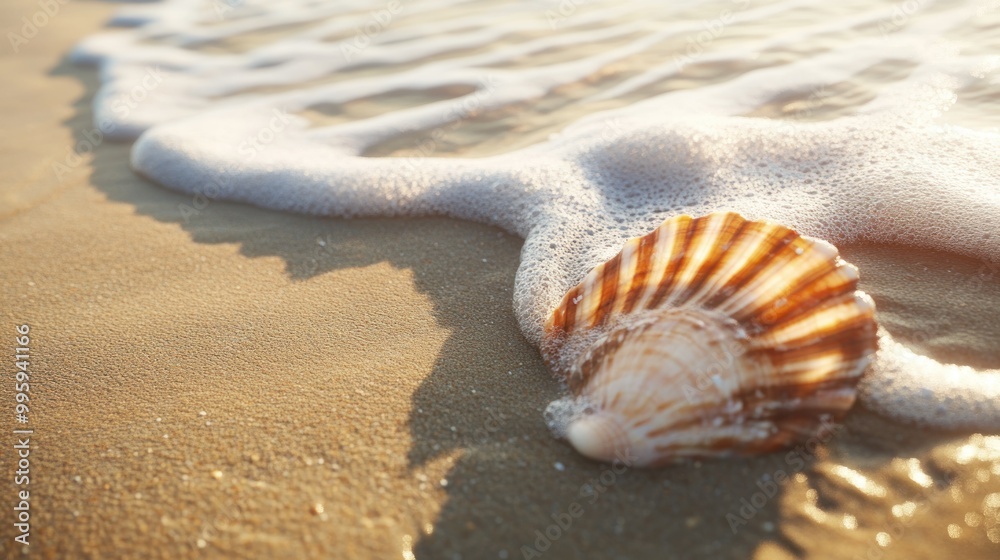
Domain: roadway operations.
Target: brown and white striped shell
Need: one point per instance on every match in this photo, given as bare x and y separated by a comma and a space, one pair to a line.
710, 337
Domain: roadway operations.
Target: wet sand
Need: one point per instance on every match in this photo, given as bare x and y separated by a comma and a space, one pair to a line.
243, 383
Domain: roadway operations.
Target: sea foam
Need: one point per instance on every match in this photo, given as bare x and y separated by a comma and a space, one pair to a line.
226, 122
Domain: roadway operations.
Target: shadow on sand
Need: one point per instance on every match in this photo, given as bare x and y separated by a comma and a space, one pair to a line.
513, 484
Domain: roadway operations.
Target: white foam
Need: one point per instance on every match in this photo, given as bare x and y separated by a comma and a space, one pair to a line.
888, 174
920, 390
559, 414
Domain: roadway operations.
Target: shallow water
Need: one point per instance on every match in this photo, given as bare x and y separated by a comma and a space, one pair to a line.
562, 122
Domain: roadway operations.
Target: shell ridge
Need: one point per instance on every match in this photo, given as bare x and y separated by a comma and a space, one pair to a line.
742, 255
590, 301
647, 245
766, 276
669, 242
777, 239
706, 278
626, 274
697, 255
841, 282
781, 288
710, 337
608, 289
675, 264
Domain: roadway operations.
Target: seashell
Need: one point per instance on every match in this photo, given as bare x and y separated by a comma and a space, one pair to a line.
710, 337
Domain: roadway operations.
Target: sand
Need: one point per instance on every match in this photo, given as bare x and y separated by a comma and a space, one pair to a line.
244, 383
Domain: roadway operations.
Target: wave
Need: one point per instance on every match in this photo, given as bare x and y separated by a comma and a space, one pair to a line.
594, 122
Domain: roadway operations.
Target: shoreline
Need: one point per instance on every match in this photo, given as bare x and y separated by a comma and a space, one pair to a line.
248, 383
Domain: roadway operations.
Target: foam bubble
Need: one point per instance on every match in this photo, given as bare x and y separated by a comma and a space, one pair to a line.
889, 173
560, 413
919, 390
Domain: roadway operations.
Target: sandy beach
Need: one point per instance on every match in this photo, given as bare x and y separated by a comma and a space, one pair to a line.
242, 383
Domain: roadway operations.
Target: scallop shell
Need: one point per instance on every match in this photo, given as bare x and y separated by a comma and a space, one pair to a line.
710, 337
